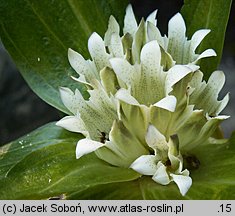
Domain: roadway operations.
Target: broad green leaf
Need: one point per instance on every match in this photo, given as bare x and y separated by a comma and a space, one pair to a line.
118, 191
37, 34
15, 151
46, 166
209, 14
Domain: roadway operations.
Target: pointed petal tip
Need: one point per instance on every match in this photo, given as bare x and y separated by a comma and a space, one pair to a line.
130, 24
167, 103
95, 37
86, 146
129, 8
72, 55
152, 17
207, 53
152, 48
70, 50
198, 37
161, 176
177, 18
183, 183
222, 117
145, 165
125, 96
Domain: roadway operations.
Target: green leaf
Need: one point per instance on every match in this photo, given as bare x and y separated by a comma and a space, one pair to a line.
46, 166
209, 14
114, 191
37, 34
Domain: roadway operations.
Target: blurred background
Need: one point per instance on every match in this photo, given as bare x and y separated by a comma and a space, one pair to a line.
22, 111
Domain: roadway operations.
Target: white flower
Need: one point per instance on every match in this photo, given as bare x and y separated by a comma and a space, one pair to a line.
148, 103
166, 164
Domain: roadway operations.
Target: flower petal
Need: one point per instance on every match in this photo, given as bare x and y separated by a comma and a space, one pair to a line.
74, 124
157, 142
100, 111
176, 37
81, 66
123, 147
183, 182
127, 44
145, 164
109, 80
150, 57
151, 77
125, 96
205, 95
135, 118
153, 33
116, 47
86, 146
152, 18
167, 61
139, 39
82, 79
130, 24
205, 54
71, 100
97, 51
167, 103
197, 129
113, 27
99, 106
161, 176
123, 69
175, 74
222, 104
197, 38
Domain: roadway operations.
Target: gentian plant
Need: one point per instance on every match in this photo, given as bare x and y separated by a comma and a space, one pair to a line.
143, 114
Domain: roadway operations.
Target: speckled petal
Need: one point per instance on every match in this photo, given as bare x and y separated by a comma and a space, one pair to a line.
113, 27
175, 74
71, 100
145, 164
130, 24
176, 37
205, 95
81, 66
116, 47
152, 76
97, 51
123, 69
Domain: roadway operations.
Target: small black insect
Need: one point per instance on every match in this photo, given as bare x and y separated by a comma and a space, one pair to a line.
168, 163
192, 162
103, 136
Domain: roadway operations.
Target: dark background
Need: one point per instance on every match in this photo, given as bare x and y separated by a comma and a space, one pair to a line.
21, 111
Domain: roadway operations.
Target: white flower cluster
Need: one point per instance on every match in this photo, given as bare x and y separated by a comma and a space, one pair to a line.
148, 102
